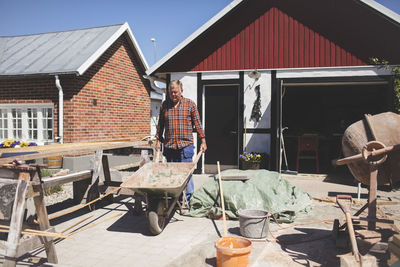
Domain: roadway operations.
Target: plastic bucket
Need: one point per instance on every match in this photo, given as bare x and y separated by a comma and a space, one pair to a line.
233, 251
53, 162
253, 223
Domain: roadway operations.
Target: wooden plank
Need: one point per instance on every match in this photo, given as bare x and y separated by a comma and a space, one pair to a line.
72, 177
126, 166
8, 174
67, 149
366, 234
236, 177
98, 145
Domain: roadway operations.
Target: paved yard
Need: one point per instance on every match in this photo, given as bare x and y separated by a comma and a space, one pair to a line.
186, 241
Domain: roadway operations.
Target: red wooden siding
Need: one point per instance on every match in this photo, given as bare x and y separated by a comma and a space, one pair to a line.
291, 34
276, 40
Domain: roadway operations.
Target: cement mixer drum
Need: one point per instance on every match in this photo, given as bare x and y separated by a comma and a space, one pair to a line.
386, 127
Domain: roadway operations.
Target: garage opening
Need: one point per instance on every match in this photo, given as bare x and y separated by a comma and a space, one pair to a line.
323, 111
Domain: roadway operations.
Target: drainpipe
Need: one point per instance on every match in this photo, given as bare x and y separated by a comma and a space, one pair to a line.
60, 110
153, 85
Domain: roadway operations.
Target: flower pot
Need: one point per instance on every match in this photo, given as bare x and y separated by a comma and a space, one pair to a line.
250, 165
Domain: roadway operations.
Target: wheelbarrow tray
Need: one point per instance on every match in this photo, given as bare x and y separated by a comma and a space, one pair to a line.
160, 178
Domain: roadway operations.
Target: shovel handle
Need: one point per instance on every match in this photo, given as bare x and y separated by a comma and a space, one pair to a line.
342, 207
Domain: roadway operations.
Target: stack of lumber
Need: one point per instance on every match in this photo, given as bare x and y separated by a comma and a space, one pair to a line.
36, 152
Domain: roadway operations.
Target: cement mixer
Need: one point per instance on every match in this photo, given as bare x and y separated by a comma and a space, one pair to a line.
384, 129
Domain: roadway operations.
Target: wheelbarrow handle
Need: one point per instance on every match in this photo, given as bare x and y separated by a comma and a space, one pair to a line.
198, 157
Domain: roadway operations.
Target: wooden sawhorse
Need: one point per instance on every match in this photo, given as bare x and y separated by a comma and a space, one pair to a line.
29, 185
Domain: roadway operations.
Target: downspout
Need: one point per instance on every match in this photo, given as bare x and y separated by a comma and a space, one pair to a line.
153, 84
60, 111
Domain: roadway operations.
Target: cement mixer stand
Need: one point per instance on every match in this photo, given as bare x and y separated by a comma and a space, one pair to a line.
374, 153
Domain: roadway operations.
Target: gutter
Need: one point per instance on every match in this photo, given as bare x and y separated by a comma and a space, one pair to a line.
60, 110
153, 85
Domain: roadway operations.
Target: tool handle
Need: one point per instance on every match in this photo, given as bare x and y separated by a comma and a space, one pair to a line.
350, 229
359, 157
344, 208
222, 199
156, 158
198, 157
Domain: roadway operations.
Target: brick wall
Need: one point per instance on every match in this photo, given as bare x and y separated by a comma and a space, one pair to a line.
115, 81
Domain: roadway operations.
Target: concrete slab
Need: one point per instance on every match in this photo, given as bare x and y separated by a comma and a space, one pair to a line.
187, 241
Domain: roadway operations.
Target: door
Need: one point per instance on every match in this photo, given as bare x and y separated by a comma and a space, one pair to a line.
221, 127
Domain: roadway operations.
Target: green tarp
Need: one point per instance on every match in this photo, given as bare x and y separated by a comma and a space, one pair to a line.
266, 190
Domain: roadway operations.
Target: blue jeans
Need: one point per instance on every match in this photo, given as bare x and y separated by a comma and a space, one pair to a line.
182, 155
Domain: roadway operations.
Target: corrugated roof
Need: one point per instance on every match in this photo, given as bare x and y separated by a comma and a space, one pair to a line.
59, 52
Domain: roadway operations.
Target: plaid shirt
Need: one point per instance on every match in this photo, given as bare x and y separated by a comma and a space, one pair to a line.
178, 123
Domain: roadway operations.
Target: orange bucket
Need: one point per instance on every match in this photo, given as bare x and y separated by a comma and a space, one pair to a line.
233, 251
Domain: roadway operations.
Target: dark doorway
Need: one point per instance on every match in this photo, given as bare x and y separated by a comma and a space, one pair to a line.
325, 112
221, 124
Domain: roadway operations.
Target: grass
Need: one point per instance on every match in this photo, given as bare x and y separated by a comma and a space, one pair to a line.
54, 189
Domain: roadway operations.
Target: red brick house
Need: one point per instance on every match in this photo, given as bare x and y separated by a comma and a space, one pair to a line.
97, 75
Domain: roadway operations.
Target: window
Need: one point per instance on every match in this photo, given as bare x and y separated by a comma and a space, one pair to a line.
47, 122
27, 122
16, 123
3, 124
32, 124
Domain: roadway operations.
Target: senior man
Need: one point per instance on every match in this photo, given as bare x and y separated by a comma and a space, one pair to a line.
178, 116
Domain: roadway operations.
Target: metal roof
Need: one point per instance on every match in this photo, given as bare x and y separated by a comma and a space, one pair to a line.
391, 15
66, 52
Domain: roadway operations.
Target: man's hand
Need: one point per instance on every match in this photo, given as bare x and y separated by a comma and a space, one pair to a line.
203, 146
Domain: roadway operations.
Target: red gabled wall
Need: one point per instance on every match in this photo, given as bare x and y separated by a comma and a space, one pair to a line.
277, 40
115, 80
291, 34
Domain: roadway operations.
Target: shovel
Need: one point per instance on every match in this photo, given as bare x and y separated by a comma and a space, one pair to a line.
357, 259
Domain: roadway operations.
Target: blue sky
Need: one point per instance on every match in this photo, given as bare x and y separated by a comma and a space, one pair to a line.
169, 22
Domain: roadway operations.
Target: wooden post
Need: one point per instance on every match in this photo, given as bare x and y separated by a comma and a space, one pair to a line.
43, 219
107, 176
373, 187
93, 191
17, 217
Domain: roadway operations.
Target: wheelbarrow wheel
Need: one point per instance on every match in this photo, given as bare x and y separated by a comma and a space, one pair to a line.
157, 219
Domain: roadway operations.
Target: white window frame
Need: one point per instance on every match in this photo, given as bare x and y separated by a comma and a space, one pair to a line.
25, 126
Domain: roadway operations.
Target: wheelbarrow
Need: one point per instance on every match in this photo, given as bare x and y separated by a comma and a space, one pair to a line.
161, 184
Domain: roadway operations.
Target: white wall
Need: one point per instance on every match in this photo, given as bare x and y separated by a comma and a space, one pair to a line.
257, 142
189, 82
155, 111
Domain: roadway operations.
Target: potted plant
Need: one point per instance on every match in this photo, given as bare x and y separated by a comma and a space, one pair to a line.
250, 161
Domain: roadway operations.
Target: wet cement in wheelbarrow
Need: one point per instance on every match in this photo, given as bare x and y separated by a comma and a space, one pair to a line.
162, 180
